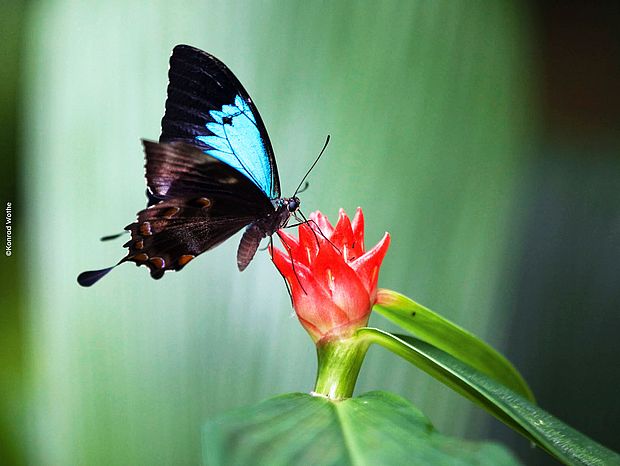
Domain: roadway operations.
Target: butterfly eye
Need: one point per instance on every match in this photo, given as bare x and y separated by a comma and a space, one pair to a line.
293, 204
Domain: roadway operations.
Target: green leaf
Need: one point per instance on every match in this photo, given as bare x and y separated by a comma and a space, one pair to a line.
558, 439
377, 428
451, 338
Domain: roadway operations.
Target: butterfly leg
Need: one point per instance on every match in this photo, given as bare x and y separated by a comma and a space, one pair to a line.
288, 287
290, 254
305, 220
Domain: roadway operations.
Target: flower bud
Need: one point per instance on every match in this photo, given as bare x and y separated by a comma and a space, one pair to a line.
332, 278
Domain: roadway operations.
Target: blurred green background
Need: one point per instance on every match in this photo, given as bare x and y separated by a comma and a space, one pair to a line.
483, 135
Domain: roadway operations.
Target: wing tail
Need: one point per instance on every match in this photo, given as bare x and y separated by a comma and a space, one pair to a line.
90, 277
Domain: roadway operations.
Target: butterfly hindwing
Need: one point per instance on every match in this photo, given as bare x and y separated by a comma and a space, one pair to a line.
168, 235
204, 202
207, 106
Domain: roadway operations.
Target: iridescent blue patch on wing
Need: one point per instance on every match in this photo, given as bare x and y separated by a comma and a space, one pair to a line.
236, 141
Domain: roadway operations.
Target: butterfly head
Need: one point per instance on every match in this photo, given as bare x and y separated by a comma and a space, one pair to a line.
292, 204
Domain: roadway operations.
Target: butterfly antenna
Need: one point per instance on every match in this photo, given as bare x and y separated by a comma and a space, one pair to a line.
312, 166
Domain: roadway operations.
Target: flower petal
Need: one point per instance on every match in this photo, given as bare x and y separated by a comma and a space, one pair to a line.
343, 284
289, 242
318, 309
367, 266
323, 223
358, 232
283, 263
343, 233
309, 242
312, 301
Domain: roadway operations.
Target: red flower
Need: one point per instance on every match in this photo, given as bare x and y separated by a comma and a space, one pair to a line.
333, 280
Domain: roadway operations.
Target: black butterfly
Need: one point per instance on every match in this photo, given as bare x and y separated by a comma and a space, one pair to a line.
212, 172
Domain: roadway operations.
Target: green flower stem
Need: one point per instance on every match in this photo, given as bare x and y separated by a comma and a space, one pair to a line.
339, 364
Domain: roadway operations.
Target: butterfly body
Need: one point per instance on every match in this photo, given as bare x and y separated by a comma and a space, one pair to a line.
263, 227
211, 174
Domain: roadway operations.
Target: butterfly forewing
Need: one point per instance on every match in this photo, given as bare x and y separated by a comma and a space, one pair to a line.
207, 106
177, 169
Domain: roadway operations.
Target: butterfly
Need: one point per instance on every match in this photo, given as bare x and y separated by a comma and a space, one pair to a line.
212, 173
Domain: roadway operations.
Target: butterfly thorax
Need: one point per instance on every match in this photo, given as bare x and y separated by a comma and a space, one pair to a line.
284, 208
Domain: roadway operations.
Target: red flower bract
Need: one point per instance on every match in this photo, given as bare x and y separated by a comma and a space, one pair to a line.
333, 279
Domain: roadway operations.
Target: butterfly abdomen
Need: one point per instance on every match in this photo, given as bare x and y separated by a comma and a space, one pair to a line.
255, 232
248, 245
